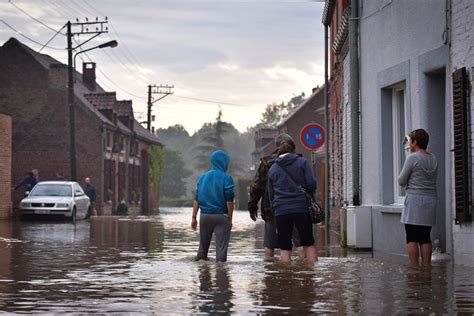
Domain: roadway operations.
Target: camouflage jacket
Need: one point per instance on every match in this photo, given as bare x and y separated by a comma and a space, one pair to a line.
258, 189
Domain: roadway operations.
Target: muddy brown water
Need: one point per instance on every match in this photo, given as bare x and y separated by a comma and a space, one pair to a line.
144, 265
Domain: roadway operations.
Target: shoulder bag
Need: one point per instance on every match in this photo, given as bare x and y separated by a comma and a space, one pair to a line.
315, 210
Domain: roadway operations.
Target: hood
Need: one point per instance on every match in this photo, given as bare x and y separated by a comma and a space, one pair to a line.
219, 160
287, 159
47, 199
428, 164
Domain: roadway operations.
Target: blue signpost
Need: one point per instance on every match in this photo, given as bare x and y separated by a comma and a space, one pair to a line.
312, 136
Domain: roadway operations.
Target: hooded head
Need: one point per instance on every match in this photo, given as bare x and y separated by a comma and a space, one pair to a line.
219, 160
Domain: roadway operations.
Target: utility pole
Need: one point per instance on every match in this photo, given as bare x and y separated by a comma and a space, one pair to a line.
97, 27
164, 90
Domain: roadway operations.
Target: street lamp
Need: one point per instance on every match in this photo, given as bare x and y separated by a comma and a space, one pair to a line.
110, 44
71, 80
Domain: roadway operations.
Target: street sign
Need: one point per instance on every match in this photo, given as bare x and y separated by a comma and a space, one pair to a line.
312, 136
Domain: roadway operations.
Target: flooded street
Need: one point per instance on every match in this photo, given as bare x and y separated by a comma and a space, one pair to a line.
145, 265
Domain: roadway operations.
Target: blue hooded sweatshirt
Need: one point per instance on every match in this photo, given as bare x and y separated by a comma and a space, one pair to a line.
286, 196
216, 187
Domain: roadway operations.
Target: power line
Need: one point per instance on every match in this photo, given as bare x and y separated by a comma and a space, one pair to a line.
29, 38
107, 77
32, 17
50, 40
126, 51
214, 102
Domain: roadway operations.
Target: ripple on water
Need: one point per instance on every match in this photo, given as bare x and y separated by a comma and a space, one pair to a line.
145, 264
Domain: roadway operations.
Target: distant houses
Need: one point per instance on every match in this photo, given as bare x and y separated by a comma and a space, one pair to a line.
112, 147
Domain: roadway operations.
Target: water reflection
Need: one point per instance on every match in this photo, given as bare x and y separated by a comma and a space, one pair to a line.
144, 264
284, 285
215, 289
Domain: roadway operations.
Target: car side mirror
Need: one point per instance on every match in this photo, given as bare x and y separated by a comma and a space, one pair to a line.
27, 193
79, 194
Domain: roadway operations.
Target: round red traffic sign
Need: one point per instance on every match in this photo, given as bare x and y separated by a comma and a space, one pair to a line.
312, 136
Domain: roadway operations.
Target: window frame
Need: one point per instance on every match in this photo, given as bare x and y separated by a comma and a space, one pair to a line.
398, 132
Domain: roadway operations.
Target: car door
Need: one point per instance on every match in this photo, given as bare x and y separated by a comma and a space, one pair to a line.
81, 201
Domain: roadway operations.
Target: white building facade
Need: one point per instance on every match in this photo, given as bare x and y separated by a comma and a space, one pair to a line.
405, 83
462, 70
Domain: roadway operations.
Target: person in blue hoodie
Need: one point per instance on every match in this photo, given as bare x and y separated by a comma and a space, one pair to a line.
285, 178
215, 198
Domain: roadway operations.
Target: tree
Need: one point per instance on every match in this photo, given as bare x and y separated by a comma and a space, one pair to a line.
275, 112
212, 138
174, 174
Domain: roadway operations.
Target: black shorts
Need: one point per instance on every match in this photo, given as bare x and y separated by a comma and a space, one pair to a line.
270, 238
417, 233
285, 225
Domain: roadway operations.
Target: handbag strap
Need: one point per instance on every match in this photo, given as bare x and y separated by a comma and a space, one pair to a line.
291, 177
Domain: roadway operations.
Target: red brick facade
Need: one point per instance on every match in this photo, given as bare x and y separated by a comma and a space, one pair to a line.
5, 165
33, 91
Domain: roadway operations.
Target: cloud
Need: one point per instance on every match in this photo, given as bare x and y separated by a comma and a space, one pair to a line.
228, 67
243, 52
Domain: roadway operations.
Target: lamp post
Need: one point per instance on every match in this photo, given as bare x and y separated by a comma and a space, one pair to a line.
71, 68
110, 44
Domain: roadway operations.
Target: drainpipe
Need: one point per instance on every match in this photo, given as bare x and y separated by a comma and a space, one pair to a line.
103, 189
326, 165
355, 100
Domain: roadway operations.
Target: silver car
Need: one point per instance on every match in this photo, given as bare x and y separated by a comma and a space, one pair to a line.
56, 198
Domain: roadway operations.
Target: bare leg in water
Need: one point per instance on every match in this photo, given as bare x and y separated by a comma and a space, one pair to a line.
426, 250
413, 254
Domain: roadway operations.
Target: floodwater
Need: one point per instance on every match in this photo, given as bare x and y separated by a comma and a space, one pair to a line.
144, 265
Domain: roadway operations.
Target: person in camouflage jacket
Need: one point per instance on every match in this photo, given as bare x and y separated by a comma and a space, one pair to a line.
258, 192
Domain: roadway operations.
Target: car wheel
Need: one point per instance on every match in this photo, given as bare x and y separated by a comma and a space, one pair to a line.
73, 216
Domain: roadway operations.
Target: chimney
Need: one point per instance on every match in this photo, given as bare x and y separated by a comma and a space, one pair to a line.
88, 75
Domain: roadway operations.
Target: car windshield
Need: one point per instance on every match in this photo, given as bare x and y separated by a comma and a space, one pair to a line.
51, 190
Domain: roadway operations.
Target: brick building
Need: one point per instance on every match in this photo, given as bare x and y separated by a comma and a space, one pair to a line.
5, 165
311, 110
112, 147
336, 15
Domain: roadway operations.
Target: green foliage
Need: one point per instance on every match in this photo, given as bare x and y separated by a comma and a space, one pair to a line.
275, 112
156, 155
174, 175
211, 140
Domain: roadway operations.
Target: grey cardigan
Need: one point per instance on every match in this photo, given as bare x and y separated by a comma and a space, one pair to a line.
419, 174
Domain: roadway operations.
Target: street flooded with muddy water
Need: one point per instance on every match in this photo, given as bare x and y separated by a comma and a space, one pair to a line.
145, 265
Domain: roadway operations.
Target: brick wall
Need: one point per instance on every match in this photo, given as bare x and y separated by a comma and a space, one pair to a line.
462, 55
5, 165
36, 99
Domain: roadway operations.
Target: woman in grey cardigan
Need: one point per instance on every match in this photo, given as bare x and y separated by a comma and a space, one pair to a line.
418, 176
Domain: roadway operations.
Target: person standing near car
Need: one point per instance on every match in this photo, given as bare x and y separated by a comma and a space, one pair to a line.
89, 190
418, 177
27, 182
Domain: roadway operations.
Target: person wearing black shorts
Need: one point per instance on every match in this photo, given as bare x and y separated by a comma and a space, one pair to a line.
418, 176
288, 201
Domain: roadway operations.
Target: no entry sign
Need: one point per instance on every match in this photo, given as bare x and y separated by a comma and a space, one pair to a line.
312, 136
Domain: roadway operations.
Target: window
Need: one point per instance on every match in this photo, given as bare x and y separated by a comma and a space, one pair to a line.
398, 123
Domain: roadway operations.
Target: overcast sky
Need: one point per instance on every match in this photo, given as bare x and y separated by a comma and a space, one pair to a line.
245, 53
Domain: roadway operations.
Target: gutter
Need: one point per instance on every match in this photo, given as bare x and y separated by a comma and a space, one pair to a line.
327, 127
355, 100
